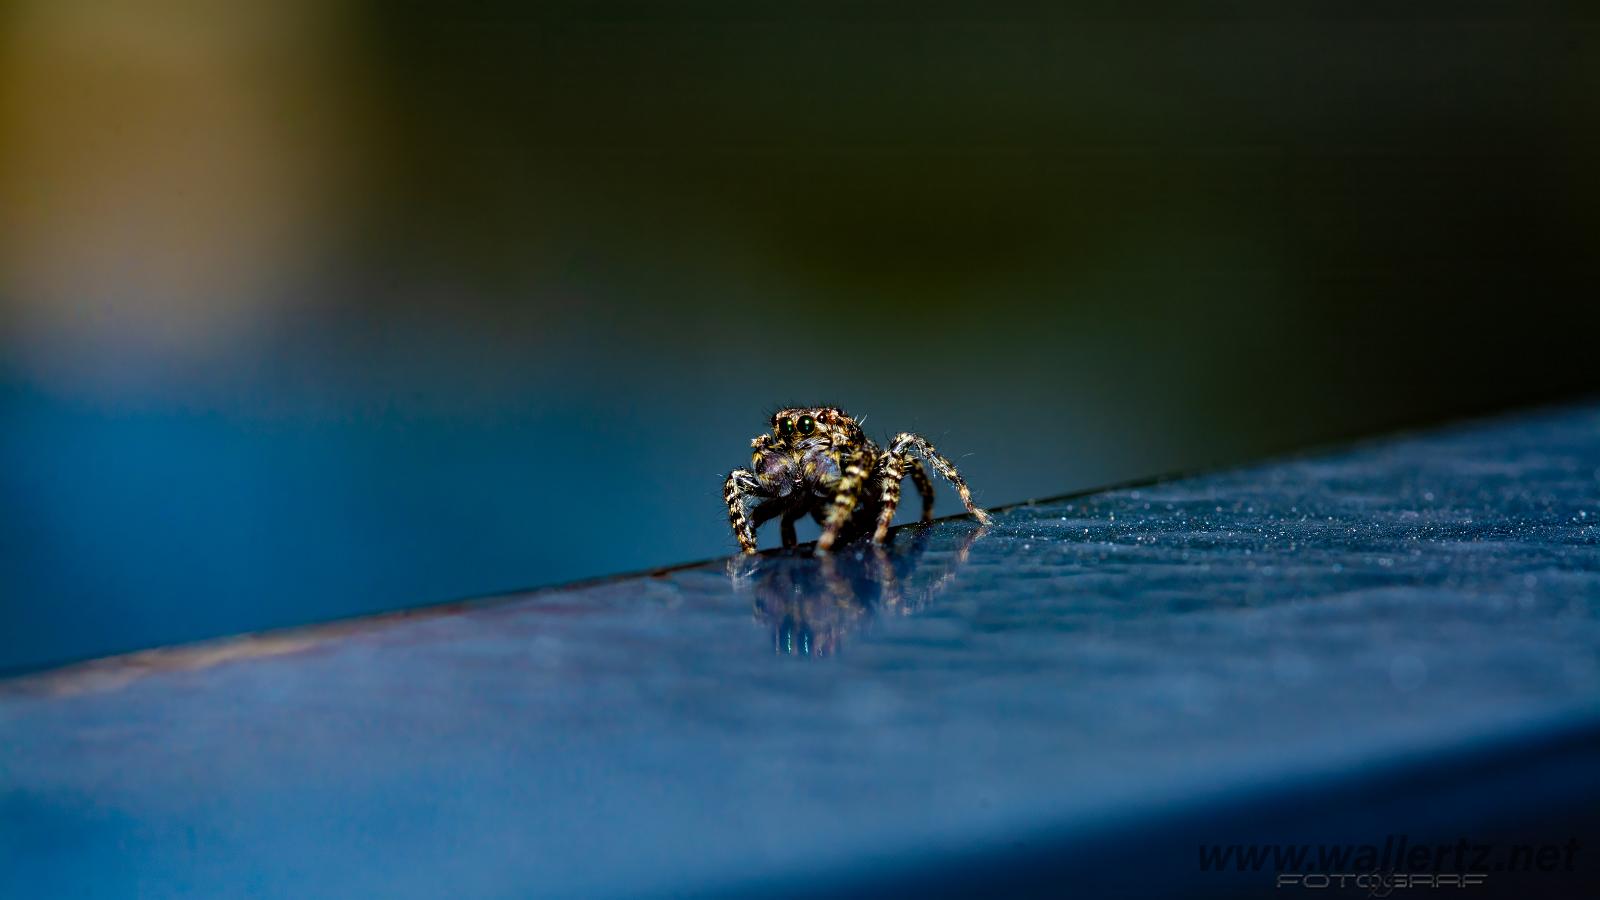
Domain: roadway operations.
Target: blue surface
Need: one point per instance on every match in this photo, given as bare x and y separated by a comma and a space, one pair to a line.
1206, 649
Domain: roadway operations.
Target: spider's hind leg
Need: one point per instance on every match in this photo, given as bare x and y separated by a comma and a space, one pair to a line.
904, 442
919, 477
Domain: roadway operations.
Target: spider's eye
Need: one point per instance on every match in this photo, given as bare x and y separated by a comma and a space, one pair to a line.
785, 427
807, 425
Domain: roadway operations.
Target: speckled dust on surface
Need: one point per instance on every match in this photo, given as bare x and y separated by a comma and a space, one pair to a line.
1078, 661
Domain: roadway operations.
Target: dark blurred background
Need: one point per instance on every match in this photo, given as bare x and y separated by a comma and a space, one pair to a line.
317, 308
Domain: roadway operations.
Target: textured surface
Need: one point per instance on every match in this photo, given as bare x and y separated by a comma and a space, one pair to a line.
1082, 666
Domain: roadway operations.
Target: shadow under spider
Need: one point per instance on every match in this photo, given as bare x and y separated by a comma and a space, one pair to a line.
811, 604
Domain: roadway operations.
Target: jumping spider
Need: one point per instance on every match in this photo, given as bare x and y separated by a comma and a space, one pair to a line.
816, 461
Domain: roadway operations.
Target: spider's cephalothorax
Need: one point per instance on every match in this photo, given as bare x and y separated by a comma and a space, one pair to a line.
816, 461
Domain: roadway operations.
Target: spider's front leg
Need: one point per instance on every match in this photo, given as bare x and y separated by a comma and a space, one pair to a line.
906, 441
740, 490
846, 496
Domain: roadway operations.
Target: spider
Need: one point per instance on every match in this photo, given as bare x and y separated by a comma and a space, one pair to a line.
816, 461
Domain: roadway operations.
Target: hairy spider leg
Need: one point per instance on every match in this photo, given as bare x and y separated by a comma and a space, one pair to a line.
905, 440
893, 470
757, 444
856, 466
740, 492
919, 477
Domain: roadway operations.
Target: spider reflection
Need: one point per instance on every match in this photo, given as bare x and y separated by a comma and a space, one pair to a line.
812, 603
